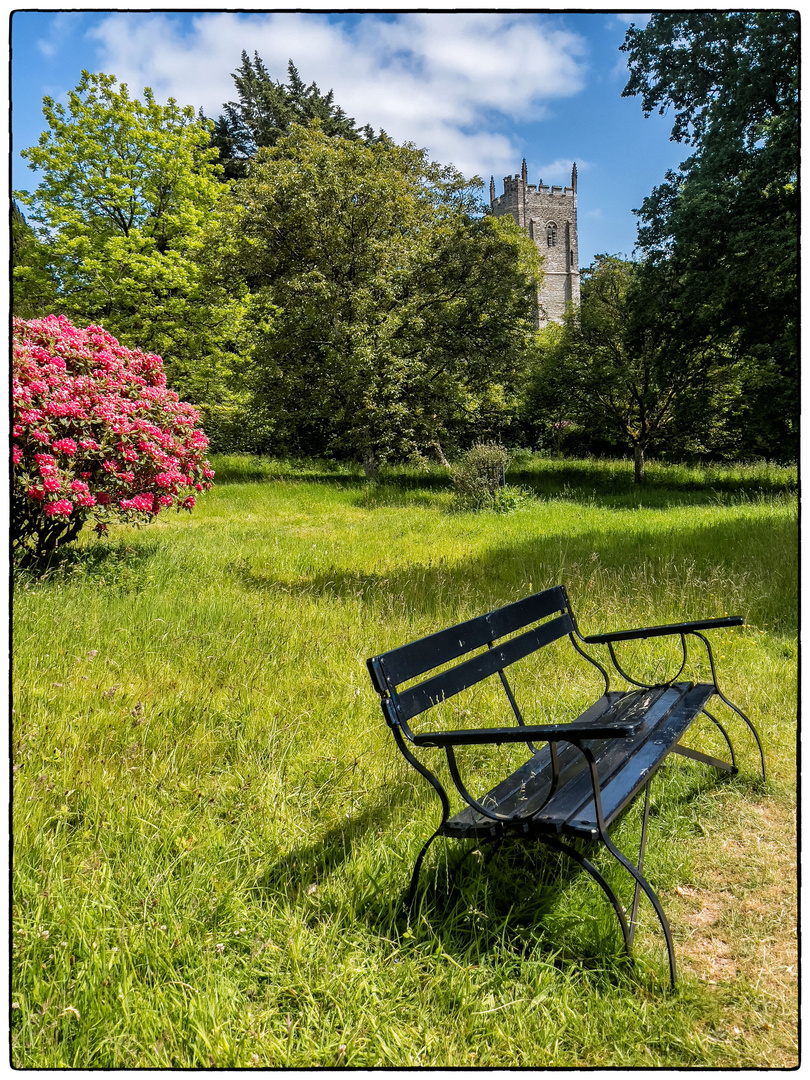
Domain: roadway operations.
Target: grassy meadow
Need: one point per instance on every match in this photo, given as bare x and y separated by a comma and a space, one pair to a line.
213, 831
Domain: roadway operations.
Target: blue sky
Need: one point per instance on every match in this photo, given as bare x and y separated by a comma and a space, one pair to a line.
479, 89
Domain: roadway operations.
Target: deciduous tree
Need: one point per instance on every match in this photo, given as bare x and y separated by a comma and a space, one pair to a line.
620, 368
126, 187
727, 220
388, 305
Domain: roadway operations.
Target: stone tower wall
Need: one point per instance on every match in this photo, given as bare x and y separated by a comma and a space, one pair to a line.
549, 216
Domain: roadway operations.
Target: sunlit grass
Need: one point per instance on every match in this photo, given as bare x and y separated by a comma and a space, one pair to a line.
213, 831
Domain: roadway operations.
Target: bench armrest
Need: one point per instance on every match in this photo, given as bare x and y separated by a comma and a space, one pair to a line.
661, 631
541, 732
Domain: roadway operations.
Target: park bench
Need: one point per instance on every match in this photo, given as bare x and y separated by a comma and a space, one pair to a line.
587, 771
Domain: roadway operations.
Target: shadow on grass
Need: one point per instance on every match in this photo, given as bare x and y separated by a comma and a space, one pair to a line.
706, 552
609, 477
519, 899
663, 485
108, 559
307, 864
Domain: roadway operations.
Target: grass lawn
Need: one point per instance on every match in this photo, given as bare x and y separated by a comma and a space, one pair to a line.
213, 830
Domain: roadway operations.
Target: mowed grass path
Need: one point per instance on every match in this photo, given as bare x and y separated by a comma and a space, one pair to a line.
213, 830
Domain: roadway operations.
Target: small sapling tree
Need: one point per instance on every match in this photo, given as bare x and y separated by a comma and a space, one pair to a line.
96, 435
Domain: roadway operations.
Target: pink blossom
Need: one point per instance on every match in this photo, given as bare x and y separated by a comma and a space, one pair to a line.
65, 446
140, 502
62, 508
87, 408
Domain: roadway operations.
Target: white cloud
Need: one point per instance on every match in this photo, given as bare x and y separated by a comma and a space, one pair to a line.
435, 79
58, 30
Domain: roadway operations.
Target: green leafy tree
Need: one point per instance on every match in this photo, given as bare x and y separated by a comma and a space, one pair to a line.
266, 110
126, 189
619, 367
388, 307
727, 220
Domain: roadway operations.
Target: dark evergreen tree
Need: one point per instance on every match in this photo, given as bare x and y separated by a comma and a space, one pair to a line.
266, 110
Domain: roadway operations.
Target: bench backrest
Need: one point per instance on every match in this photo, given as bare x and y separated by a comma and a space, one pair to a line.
408, 662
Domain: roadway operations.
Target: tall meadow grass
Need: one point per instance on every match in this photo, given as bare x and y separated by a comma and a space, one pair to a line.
213, 831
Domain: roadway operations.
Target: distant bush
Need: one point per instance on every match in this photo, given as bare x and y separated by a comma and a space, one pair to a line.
96, 435
479, 476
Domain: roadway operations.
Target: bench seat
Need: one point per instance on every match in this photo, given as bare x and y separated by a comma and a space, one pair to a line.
624, 766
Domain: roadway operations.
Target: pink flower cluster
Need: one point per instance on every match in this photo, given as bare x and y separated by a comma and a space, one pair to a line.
96, 431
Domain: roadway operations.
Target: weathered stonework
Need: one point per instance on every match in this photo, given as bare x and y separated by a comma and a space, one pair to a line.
549, 216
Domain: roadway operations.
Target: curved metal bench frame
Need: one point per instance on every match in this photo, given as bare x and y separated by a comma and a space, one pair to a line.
579, 734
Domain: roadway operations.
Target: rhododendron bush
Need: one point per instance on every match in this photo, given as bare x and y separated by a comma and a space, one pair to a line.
97, 435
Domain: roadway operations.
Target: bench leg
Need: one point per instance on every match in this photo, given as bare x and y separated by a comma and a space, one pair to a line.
731, 704
641, 847
417, 868
587, 865
642, 883
751, 728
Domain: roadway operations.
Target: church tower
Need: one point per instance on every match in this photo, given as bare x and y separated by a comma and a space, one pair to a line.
549, 216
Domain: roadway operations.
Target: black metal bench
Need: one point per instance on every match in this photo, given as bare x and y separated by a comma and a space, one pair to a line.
587, 771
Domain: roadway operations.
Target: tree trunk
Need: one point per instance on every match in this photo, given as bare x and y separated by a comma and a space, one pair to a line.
370, 466
440, 454
638, 461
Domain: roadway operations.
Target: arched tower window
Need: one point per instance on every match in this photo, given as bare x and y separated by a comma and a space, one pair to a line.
551, 234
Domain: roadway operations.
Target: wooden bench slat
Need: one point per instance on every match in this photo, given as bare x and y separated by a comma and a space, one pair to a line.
415, 700
612, 756
641, 763
530, 783
412, 660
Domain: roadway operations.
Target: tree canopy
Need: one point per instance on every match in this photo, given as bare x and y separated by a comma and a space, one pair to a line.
126, 188
727, 220
266, 110
619, 367
391, 310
